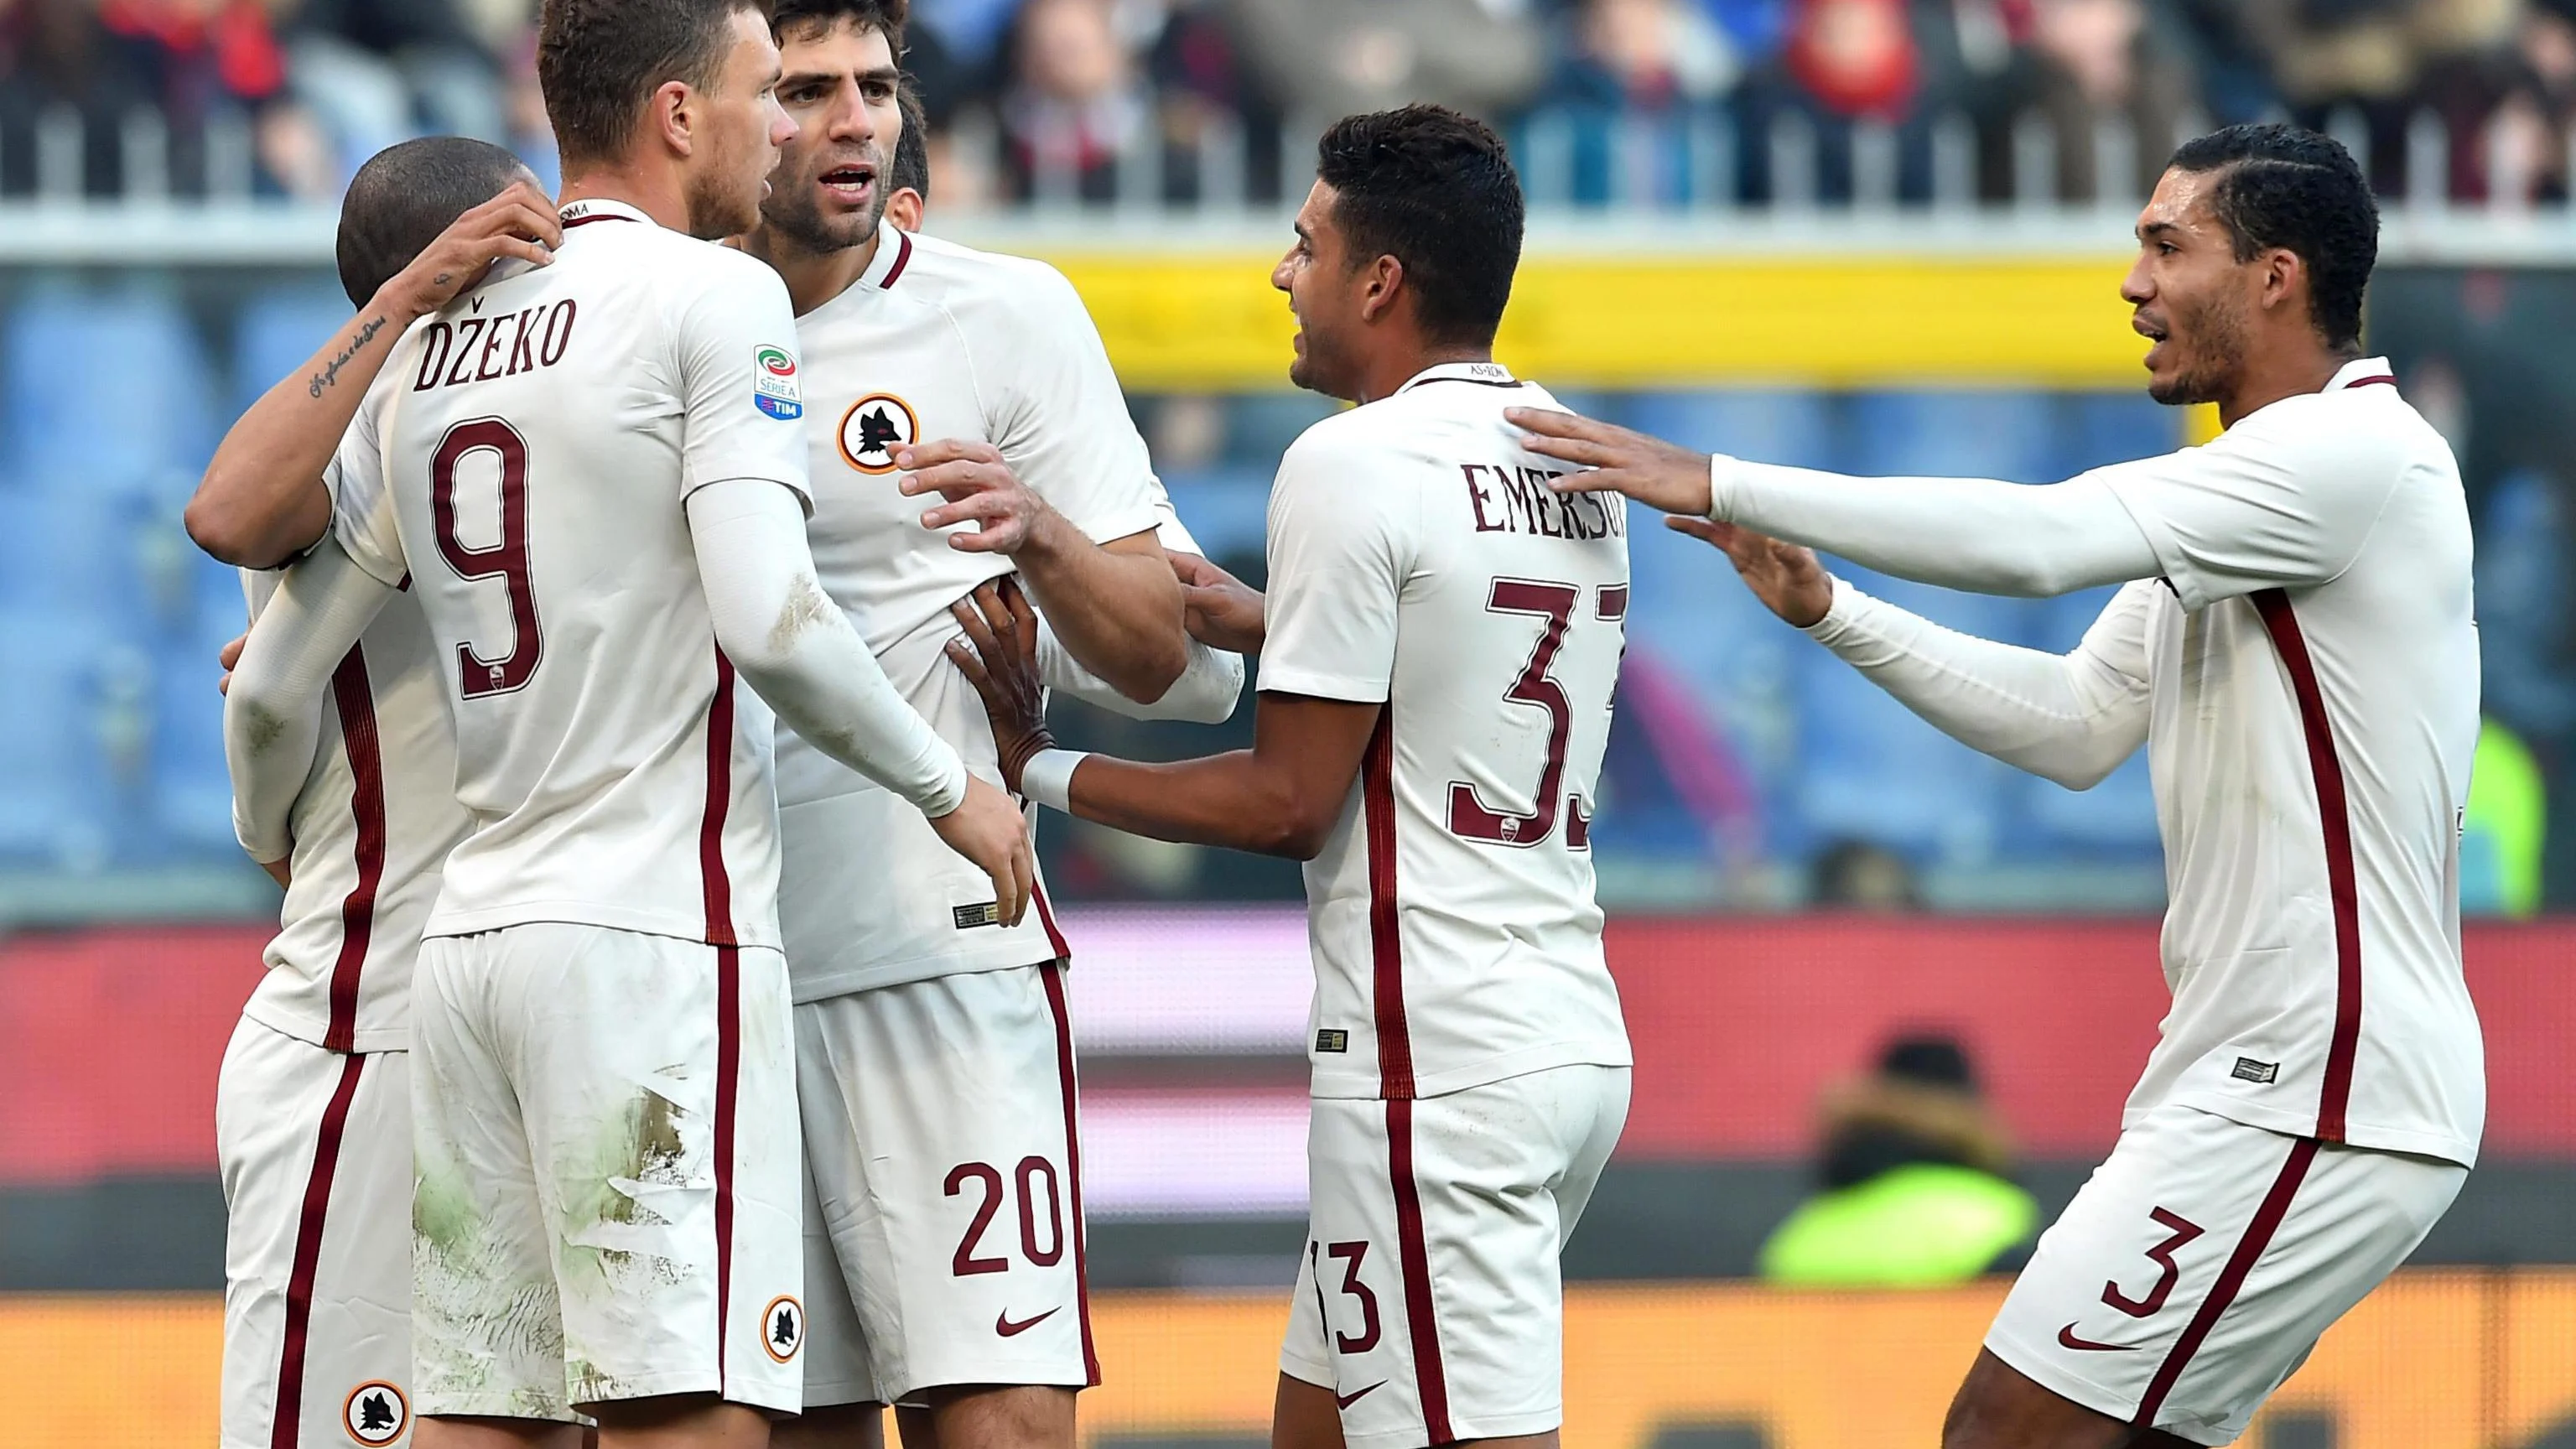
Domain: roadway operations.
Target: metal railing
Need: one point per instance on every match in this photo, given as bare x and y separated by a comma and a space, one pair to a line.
1783, 178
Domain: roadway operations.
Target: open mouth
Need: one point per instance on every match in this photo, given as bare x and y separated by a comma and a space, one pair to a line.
848, 184
2156, 333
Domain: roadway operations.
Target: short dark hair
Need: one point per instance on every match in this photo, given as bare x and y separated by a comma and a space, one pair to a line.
911, 163
1435, 190
2281, 186
886, 17
405, 196
599, 60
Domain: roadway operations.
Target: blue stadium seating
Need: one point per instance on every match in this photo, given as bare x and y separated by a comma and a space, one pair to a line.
107, 391
1870, 769
1953, 434
1768, 426
277, 332
2109, 427
52, 773
2116, 818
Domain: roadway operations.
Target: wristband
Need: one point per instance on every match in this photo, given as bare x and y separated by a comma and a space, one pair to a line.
1720, 474
1047, 779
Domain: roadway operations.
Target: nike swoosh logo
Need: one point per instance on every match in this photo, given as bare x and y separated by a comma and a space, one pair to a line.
2066, 1338
1346, 1400
1006, 1328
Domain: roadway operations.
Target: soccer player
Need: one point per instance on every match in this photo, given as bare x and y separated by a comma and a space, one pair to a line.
2295, 649
1443, 636
313, 1105
944, 1267
591, 474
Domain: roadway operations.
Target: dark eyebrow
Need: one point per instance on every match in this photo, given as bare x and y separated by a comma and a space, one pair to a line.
2156, 228
884, 74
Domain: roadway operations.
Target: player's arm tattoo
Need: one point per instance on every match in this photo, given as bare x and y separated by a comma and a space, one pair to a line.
330, 373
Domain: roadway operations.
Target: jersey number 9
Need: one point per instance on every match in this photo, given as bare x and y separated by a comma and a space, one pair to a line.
506, 559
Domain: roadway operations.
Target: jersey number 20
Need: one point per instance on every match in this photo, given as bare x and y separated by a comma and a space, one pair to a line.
1469, 816
506, 559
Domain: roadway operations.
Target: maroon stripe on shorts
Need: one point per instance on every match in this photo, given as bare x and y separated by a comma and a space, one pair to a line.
286, 1421
355, 702
1052, 974
2342, 889
720, 934
2231, 1279
1413, 1253
2377, 380
1386, 944
728, 1089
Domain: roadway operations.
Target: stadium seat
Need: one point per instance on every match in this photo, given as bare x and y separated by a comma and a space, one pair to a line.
2114, 427
53, 804
277, 333
103, 391
1953, 434
1870, 769
1719, 643
1765, 425
1227, 509
191, 793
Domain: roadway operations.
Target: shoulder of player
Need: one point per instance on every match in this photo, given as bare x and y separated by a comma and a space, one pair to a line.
981, 285
2357, 433
1349, 454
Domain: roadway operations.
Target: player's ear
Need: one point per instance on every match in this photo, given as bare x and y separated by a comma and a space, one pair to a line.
671, 113
1385, 284
2285, 278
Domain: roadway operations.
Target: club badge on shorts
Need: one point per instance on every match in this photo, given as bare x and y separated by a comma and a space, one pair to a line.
782, 1328
873, 428
773, 383
375, 1413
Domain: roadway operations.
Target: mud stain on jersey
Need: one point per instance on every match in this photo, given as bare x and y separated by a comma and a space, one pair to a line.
261, 727
806, 608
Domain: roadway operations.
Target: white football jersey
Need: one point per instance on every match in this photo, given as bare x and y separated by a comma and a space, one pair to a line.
373, 824
1417, 557
2313, 665
528, 473
934, 341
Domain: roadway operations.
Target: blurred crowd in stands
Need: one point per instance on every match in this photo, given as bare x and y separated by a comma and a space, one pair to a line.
290, 94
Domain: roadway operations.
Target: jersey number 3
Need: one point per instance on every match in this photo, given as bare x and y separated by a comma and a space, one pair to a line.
1469, 816
506, 560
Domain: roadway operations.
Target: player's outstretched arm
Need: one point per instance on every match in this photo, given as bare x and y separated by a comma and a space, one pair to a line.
1281, 797
273, 705
262, 499
2069, 718
799, 651
1116, 605
1977, 534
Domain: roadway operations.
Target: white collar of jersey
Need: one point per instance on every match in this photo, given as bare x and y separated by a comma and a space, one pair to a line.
2362, 372
1491, 374
894, 253
600, 208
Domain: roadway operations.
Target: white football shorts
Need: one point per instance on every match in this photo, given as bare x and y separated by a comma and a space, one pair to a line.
605, 1129
315, 1149
1429, 1299
943, 1230
2199, 1265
